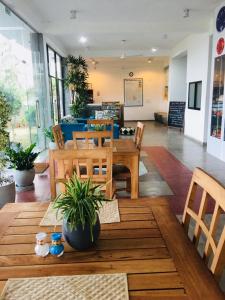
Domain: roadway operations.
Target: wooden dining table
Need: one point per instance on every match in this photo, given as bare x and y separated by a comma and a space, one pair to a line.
125, 153
148, 244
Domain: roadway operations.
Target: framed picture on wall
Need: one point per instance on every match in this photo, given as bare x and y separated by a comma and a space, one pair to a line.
133, 92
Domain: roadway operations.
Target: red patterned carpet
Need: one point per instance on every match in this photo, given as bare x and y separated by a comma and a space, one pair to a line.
177, 176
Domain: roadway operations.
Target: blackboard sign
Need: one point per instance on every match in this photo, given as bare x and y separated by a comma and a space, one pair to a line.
176, 114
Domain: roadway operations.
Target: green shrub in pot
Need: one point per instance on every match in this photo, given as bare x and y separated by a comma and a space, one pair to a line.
7, 184
79, 206
22, 161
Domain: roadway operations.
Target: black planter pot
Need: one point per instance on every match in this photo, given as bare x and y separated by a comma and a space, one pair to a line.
80, 238
96, 141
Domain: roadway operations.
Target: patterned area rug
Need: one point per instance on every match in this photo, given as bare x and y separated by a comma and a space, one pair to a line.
177, 176
78, 287
109, 213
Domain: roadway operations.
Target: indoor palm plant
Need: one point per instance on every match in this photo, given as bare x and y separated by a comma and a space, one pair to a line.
79, 206
22, 161
7, 184
76, 81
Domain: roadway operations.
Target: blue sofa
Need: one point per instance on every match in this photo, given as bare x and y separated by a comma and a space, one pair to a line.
68, 128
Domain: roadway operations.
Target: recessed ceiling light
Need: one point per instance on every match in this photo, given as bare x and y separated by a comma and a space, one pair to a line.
83, 40
154, 49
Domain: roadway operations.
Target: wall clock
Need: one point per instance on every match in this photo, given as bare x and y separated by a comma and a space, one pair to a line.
131, 74
220, 46
220, 20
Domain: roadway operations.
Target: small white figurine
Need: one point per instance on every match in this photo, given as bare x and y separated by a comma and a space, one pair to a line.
41, 248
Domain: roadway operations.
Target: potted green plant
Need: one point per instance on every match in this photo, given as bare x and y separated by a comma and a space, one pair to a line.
76, 81
49, 135
22, 161
7, 184
98, 127
79, 206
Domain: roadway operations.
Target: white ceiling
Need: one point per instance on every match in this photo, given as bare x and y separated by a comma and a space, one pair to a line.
143, 23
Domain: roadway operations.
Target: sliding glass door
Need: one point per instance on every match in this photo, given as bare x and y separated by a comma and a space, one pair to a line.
21, 78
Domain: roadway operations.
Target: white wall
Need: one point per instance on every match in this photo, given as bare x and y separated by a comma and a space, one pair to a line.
178, 76
108, 85
198, 48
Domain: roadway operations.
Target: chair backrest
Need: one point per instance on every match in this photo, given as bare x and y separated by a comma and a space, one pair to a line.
139, 134
88, 138
109, 123
58, 136
95, 164
212, 189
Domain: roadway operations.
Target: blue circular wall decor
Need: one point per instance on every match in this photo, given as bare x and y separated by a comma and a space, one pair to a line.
220, 20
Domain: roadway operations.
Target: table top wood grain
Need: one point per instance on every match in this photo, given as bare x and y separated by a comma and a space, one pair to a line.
148, 244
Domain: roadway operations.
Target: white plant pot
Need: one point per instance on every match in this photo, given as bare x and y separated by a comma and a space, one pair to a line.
24, 177
52, 146
7, 193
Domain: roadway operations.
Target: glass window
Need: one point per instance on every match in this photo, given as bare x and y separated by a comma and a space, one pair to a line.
56, 85
51, 62
20, 78
59, 66
194, 95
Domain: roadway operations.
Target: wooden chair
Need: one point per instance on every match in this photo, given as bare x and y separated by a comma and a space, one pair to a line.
98, 162
121, 173
58, 136
88, 136
139, 135
213, 189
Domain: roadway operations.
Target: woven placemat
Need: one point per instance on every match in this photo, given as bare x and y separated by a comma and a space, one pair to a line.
78, 287
108, 213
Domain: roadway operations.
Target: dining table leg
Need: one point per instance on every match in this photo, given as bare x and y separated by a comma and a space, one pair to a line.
134, 172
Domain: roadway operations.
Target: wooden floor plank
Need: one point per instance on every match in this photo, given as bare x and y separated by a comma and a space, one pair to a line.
135, 266
138, 217
106, 234
28, 248
28, 206
154, 281
113, 226
5, 221
85, 256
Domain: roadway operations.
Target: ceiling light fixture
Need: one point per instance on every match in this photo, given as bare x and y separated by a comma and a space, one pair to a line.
154, 49
186, 13
83, 40
73, 14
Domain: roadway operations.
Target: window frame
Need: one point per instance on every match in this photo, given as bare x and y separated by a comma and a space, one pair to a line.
56, 77
196, 83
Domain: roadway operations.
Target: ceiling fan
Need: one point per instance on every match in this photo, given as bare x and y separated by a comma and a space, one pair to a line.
124, 55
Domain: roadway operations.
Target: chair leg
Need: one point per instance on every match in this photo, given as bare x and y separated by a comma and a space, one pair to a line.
128, 185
